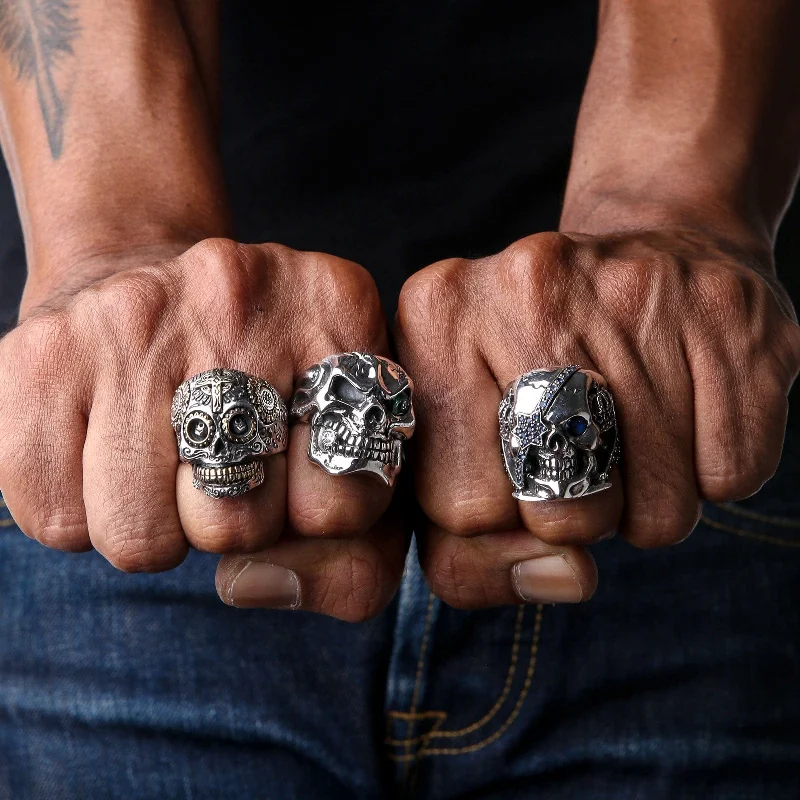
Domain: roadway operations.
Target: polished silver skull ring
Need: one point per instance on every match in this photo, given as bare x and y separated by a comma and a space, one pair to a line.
360, 408
226, 422
558, 430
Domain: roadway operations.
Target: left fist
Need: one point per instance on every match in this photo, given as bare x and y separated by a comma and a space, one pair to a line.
698, 343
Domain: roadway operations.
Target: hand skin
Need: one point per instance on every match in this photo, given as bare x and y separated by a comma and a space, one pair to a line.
698, 348
88, 457
686, 154
135, 284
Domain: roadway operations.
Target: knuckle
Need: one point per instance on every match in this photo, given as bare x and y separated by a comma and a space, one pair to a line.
231, 275
218, 255
630, 286
131, 552
454, 576
729, 295
37, 344
661, 527
66, 532
227, 536
736, 482
315, 515
542, 251
354, 592
566, 526
469, 513
429, 294
347, 288
133, 305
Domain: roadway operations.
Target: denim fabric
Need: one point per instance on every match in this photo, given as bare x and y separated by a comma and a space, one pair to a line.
136, 686
678, 680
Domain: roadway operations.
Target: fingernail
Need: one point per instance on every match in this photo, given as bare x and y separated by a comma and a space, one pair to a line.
546, 580
262, 585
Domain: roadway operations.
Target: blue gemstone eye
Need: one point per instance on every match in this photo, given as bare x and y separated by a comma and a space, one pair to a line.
576, 426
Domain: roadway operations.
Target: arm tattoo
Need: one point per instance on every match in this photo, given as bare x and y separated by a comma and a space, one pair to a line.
36, 35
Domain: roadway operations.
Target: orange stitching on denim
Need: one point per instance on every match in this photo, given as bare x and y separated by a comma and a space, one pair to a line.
435, 733
2, 503
420, 715
759, 537
782, 522
452, 751
423, 650
7, 523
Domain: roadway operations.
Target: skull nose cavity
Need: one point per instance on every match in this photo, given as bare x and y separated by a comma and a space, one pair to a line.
556, 442
374, 418
218, 446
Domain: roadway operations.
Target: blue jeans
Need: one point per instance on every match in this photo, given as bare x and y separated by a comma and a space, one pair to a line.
680, 679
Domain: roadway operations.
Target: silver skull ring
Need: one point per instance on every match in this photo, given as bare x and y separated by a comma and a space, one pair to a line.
558, 430
360, 407
226, 421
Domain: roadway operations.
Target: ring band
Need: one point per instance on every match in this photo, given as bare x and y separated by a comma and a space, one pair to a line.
558, 430
226, 422
360, 408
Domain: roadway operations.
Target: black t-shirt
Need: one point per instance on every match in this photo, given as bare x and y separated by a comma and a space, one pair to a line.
397, 134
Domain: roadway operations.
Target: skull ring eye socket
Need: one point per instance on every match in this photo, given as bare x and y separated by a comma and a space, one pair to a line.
198, 428
401, 405
239, 424
576, 426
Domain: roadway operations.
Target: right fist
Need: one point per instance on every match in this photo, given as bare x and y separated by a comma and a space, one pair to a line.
88, 457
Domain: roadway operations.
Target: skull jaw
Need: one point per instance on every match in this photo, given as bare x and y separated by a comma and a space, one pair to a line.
230, 481
331, 449
543, 482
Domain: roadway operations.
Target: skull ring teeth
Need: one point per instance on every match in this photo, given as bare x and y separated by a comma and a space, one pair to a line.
558, 431
225, 422
360, 409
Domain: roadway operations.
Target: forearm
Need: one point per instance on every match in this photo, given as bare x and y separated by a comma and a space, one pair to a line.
691, 117
108, 129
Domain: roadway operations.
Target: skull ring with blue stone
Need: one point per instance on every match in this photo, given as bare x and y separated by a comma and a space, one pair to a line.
360, 409
558, 430
226, 422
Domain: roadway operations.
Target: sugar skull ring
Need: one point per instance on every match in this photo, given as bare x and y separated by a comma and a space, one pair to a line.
558, 430
226, 422
360, 410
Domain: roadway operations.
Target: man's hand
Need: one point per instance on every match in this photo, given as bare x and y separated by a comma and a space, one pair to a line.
698, 347
88, 457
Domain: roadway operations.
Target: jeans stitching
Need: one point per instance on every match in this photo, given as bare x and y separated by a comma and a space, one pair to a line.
423, 651
435, 733
759, 537
781, 522
442, 751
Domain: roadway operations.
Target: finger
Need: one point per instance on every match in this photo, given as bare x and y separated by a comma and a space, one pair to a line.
506, 568
321, 504
130, 462
455, 454
349, 579
739, 437
740, 422
240, 524
653, 398
42, 438
577, 521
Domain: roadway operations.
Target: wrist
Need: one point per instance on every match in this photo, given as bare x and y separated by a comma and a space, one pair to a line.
603, 209
51, 289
